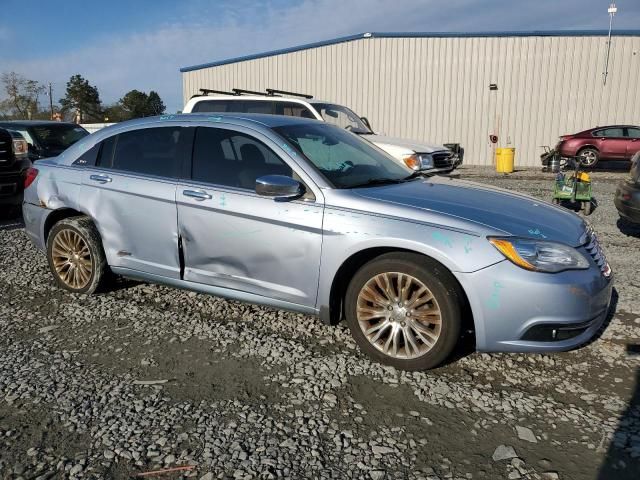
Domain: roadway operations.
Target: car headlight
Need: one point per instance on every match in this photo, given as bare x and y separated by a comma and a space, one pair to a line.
20, 148
539, 255
417, 161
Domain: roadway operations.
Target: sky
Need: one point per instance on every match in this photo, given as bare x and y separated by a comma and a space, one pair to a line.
120, 45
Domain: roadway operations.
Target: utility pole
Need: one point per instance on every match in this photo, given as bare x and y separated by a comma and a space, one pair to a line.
612, 11
51, 100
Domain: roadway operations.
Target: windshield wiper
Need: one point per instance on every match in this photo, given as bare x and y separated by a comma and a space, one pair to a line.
416, 174
372, 182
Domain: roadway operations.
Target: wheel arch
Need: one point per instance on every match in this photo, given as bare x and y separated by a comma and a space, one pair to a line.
584, 147
55, 216
334, 312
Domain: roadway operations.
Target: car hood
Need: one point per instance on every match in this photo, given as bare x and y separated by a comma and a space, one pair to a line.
411, 146
511, 213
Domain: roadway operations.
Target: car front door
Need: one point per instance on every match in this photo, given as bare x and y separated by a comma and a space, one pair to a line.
236, 239
612, 143
130, 194
633, 143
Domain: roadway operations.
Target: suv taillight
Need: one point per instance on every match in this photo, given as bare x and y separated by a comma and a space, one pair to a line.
31, 175
20, 148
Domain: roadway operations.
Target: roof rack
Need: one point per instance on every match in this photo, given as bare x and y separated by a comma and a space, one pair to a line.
272, 92
206, 91
240, 91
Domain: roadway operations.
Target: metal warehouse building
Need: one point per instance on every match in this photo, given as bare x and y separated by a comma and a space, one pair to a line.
436, 87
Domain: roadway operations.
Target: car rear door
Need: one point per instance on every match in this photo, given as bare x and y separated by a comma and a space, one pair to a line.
633, 143
612, 143
130, 193
236, 239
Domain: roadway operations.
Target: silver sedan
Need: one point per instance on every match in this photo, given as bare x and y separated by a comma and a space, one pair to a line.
301, 215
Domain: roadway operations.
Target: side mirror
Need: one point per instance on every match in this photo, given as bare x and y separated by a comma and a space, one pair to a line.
365, 120
279, 187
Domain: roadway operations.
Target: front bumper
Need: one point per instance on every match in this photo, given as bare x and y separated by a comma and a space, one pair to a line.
516, 310
627, 201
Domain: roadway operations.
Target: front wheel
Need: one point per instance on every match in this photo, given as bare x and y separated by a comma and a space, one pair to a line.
75, 255
404, 310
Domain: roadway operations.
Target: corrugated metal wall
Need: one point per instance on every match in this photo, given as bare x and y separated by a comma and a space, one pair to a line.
437, 89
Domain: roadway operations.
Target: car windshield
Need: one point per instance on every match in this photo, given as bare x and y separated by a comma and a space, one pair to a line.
345, 160
342, 117
58, 137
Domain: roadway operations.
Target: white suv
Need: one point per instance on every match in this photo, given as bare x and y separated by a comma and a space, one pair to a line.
416, 155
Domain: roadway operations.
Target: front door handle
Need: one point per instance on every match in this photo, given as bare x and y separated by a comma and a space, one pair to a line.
100, 178
197, 194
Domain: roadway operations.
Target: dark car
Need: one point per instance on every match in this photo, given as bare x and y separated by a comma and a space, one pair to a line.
627, 199
46, 138
14, 164
615, 142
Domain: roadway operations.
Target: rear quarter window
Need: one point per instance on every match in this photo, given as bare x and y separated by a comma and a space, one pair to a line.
90, 157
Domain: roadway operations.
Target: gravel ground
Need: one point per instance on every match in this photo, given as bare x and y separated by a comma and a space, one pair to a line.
145, 377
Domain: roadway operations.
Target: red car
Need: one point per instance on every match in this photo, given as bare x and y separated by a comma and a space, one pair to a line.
615, 142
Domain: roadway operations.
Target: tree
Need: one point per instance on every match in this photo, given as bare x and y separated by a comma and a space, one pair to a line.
22, 93
115, 113
82, 99
136, 104
156, 105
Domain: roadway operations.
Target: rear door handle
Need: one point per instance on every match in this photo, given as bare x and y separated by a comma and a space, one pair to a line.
197, 194
100, 178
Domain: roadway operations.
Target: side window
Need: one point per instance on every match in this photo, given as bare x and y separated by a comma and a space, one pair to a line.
255, 106
612, 133
633, 132
150, 151
105, 154
211, 106
292, 109
225, 157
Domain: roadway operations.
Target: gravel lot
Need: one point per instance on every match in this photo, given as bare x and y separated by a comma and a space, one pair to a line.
146, 377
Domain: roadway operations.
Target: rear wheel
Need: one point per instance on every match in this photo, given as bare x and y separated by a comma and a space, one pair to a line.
75, 255
589, 157
588, 207
404, 310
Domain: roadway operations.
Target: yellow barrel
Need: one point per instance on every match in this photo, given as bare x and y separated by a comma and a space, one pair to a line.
504, 159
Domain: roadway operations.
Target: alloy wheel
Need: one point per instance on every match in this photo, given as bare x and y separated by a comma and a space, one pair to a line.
72, 259
589, 158
399, 315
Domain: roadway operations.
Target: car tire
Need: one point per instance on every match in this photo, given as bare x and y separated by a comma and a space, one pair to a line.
425, 331
589, 157
75, 255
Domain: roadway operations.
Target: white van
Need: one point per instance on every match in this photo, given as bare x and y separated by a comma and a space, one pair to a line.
416, 155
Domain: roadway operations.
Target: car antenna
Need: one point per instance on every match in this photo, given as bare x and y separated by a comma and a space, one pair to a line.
272, 92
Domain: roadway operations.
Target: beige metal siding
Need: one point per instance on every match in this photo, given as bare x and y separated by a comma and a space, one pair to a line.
437, 89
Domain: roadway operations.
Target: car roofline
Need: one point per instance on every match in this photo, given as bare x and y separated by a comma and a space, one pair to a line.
263, 98
248, 120
264, 119
31, 123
